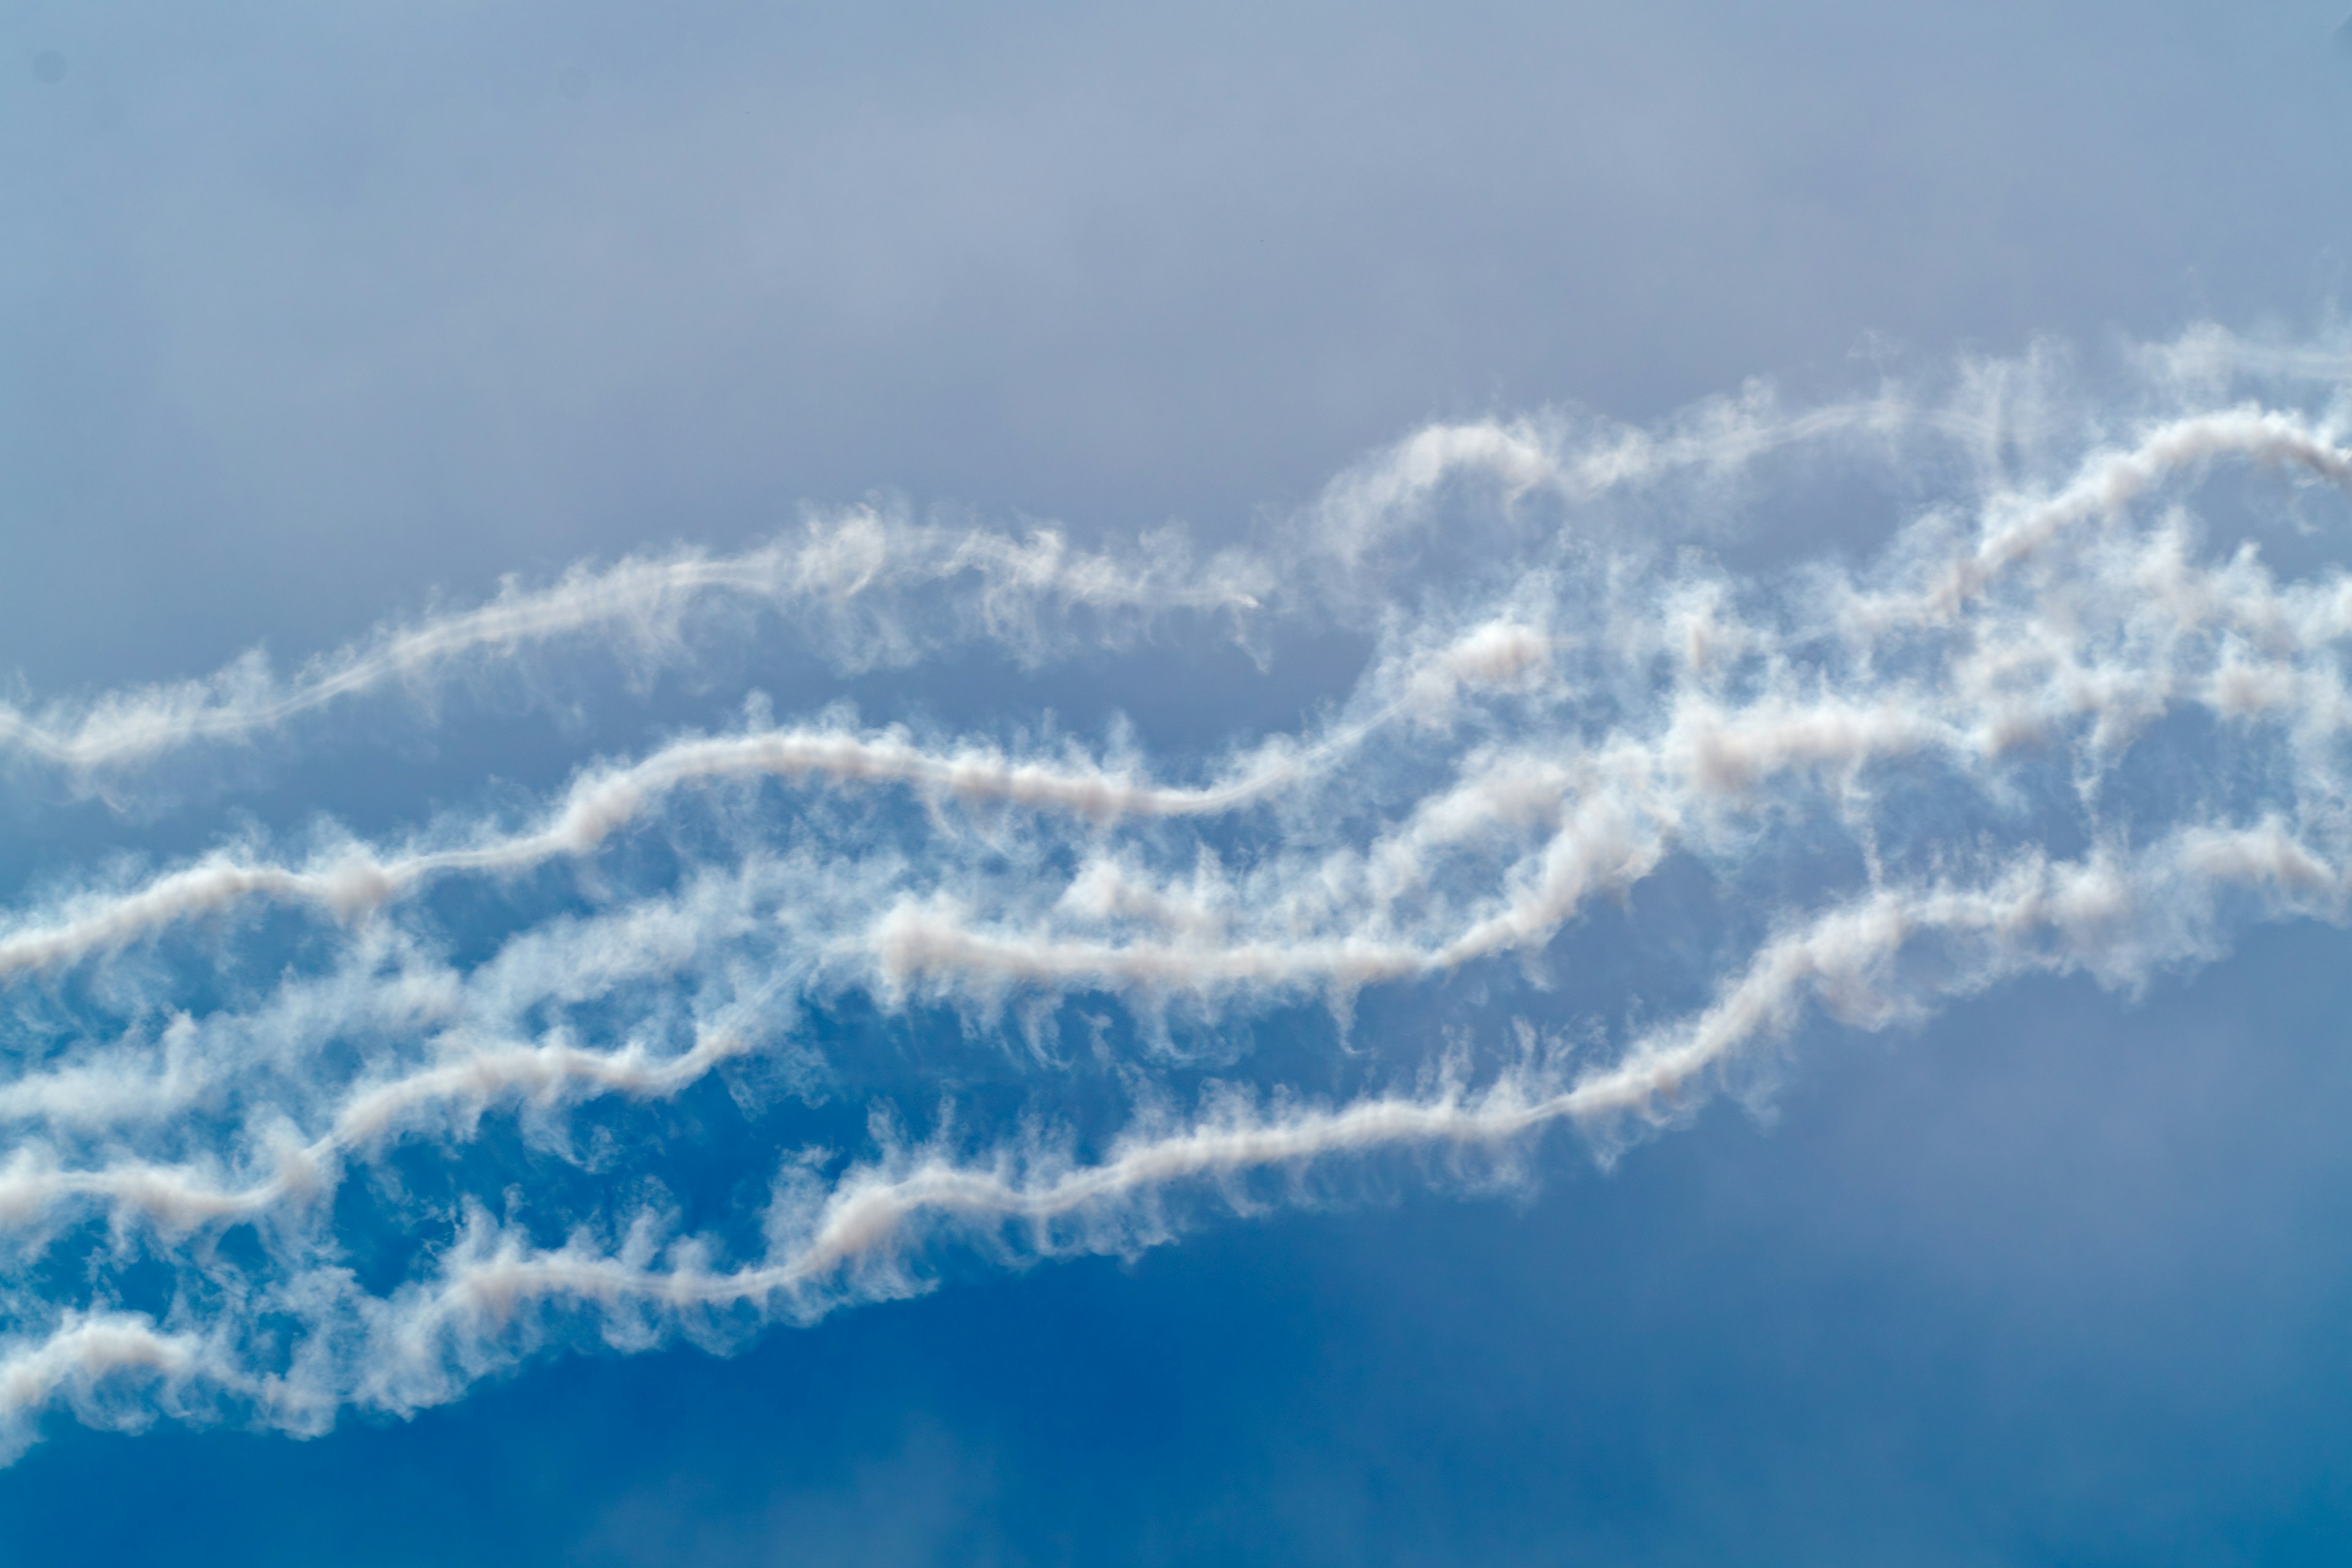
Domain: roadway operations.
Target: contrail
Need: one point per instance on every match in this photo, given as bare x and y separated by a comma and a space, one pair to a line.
1005, 588
601, 803
875, 589
2116, 914
855, 1241
355, 879
2048, 728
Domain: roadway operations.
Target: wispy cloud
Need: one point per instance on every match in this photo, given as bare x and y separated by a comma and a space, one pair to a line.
2049, 727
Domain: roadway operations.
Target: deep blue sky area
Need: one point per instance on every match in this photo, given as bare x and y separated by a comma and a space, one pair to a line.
2053, 1280
313, 316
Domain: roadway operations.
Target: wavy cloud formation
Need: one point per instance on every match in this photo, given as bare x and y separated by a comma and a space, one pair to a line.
385, 1116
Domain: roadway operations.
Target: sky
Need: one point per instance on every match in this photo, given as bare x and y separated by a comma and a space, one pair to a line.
896, 784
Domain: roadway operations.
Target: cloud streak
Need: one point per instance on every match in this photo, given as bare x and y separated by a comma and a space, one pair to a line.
2050, 727
850, 582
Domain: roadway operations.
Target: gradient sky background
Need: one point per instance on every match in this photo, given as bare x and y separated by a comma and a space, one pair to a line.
310, 315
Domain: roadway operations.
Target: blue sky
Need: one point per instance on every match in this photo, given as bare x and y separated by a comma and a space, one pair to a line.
1309, 783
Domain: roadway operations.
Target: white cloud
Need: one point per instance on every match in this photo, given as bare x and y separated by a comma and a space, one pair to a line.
2050, 729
